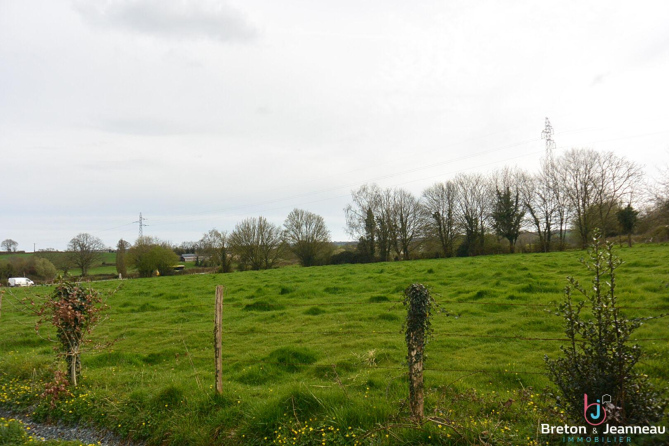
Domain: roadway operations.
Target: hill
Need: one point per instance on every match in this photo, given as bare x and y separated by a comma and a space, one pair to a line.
317, 353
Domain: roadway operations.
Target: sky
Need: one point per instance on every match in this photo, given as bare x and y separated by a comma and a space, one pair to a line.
199, 114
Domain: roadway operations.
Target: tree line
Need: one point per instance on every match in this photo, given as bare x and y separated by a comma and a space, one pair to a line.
254, 244
471, 214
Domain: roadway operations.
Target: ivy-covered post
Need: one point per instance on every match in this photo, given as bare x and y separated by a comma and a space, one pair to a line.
218, 340
417, 328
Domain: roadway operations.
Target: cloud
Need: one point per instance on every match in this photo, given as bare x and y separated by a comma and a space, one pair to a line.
144, 126
599, 79
174, 19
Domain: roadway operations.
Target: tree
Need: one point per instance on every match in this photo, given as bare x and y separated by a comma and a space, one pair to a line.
618, 182
653, 221
408, 219
552, 181
595, 183
84, 250
507, 209
540, 201
366, 201
121, 249
368, 240
186, 247
385, 228
9, 245
473, 209
365, 250
627, 218
150, 254
307, 236
386, 219
44, 268
214, 245
257, 243
439, 202
507, 215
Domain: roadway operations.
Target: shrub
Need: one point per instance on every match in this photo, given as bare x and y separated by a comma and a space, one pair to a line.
149, 255
599, 359
73, 311
45, 269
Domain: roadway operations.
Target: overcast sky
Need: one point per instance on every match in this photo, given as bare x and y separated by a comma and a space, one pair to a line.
202, 113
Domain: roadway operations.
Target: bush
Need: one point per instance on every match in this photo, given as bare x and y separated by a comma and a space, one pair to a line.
73, 311
45, 269
600, 359
150, 255
343, 257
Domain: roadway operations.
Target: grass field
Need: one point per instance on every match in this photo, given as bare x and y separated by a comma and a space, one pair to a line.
316, 355
105, 267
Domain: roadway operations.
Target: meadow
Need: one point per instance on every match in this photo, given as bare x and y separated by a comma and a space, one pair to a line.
316, 355
102, 269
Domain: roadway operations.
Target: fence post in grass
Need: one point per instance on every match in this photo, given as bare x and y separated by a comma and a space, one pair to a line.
417, 327
218, 339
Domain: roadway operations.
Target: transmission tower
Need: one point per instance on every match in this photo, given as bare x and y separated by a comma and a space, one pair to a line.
142, 224
547, 133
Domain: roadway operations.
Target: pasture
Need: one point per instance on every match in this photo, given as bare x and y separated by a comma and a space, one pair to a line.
316, 355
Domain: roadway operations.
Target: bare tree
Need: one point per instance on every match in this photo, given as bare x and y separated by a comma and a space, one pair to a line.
85, 249
546, 202
256, 242
397, 217
473, 210
578, 170
654, 215
560, 200
408, 217
538, 198
596, 183
618, 182
307, 236
9, 245
386, 229
364, 221
439, 202
364, 198
214, 245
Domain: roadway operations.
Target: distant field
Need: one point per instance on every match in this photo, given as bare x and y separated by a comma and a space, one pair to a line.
322, 348
106, 266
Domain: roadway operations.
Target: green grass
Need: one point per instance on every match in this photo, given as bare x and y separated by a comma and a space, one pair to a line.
322, 348
106, 266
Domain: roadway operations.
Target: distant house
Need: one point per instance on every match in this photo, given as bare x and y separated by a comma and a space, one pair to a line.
188, 258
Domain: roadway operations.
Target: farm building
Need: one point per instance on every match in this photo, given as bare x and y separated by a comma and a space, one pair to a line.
188, 258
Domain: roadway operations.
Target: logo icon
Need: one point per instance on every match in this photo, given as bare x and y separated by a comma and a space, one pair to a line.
595, 413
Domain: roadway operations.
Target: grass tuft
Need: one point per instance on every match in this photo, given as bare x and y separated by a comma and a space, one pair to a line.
377, 299
262, 306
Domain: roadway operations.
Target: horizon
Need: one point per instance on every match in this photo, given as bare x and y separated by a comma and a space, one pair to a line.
201, 114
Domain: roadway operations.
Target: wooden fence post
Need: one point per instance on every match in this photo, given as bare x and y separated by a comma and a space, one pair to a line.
218, 339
